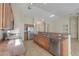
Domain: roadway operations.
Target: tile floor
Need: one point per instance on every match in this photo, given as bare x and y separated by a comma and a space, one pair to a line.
32, 49
75, 47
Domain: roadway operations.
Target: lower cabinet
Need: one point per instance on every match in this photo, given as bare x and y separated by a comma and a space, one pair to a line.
41, 40
64, 47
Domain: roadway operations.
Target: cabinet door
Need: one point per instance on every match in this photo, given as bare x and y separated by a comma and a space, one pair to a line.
64, 47
7, 16
1, 15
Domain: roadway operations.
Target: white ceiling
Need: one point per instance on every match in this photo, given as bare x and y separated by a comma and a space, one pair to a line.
59, 9
45, 10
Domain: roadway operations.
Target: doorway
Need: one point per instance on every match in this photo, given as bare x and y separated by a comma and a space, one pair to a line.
74, 35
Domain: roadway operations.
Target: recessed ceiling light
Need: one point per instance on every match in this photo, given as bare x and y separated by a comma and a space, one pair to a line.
51, 15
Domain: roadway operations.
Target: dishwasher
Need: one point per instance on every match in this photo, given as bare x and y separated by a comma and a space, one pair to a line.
54, 45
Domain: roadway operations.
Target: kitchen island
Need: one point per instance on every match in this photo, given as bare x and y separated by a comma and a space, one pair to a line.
55, 43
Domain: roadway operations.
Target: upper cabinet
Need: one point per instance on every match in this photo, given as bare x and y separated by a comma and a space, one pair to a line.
6, 15
1, 15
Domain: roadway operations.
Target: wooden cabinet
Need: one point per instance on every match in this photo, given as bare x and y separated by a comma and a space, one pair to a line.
1, 9
58, 43
42, 40
64, 46
6, 17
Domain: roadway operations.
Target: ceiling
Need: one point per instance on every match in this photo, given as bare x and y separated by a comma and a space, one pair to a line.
59, 9
42, 10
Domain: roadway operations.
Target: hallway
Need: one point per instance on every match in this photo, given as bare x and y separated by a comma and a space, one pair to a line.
32, 49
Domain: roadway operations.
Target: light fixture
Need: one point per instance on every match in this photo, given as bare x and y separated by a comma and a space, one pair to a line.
30, 6
51, 15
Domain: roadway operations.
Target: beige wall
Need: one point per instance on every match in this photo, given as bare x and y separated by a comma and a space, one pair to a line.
39, 25
59, 25
73, 22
